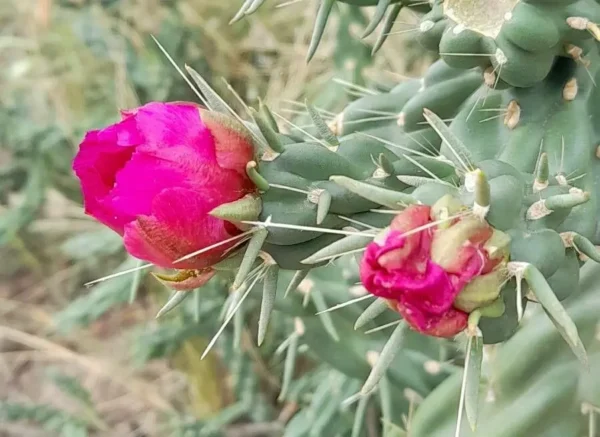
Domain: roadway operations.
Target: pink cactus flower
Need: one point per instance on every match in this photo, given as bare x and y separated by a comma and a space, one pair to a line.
154, 177
421, 267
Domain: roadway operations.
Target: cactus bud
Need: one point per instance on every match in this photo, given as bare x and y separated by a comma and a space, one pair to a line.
435, 267
155, 176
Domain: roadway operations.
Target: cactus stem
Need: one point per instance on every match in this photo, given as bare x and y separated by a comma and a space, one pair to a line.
345, 304
541, 173
584, 246
545, 207
570, 90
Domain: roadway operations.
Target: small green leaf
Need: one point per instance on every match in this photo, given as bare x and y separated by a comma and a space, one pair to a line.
254, 246
473, 377
268, 301
388, 353
324, 131
382, 196
290, 364
321, 21
555, 311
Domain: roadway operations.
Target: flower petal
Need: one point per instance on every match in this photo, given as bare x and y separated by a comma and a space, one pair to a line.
179, 225
233, 144
166, 125
447, 325
151, 170
102, 154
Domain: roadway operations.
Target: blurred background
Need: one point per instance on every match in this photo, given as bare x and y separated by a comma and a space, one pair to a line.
78, 361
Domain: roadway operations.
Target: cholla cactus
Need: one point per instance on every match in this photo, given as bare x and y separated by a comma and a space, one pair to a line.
461, 223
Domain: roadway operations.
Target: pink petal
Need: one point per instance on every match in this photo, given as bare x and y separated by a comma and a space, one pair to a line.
101, 155
179, 225
446, 325
233, 144
150, 171
166, 125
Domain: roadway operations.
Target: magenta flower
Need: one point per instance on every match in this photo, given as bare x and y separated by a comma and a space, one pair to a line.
421, 267
154, 177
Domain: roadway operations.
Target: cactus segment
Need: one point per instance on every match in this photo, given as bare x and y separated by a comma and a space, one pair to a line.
519, 39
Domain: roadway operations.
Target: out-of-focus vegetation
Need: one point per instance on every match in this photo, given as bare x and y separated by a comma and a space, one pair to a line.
77, 361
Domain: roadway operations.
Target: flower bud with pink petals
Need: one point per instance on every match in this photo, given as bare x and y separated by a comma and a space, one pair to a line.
154, 177
427, 257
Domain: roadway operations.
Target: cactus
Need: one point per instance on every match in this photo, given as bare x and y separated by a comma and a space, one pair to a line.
508, 149
519, 39
541, 392
519, 158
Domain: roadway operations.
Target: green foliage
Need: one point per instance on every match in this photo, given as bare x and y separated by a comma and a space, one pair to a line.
48, 418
